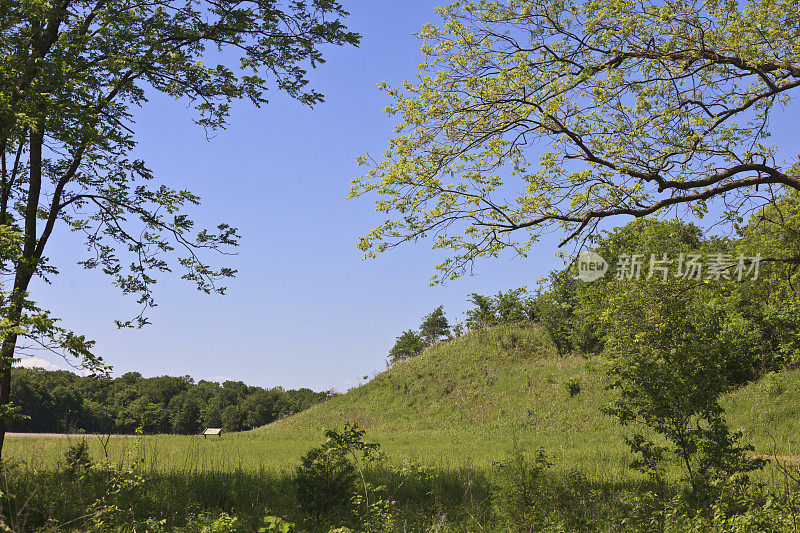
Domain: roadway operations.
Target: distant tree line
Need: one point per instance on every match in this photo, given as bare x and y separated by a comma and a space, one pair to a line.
61, 401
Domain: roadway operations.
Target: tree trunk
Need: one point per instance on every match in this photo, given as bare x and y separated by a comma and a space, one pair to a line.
6, 358
9, 346
25, 268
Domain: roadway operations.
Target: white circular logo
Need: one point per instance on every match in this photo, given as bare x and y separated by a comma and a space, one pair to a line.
591, 266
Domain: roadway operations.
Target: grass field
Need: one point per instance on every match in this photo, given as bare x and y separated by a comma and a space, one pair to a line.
456, 409
460, 402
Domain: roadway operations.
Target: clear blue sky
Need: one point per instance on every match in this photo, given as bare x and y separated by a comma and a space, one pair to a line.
305, 309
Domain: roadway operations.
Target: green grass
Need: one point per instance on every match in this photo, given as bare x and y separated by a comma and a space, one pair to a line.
459, 403
457, 409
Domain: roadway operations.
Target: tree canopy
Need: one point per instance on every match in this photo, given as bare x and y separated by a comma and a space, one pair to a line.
72, 73
60, 401
556, 115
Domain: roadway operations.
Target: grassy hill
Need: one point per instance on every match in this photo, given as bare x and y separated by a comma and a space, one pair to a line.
470, 399
464, 402
507, 377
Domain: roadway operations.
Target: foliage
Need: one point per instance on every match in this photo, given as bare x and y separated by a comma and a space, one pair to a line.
520, 496
78, 459
409, 344
482, 314
327, 480
412, 343
573, 386
554, 309
277, 524
519, 124
72, 72
677, 348
120, 484
61, 401
435, 326
504, 308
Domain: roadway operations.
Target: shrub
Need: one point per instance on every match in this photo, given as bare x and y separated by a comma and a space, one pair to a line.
772, 384
435, 326
325, 481
573, 386
78, 459
520, 497
408, 345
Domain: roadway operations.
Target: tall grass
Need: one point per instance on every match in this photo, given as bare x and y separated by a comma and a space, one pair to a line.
453, 412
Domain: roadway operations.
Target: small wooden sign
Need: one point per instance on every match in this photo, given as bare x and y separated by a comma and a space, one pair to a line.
212, 431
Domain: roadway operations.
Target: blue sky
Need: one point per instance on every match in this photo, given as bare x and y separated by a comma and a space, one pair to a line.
305, 309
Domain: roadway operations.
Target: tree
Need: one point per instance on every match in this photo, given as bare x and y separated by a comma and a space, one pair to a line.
671, 365
483, 314
435, 326
677, 342
639, 108
409, 344
513, 306
72, 71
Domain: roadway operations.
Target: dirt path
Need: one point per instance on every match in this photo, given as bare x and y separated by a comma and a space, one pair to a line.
59, 435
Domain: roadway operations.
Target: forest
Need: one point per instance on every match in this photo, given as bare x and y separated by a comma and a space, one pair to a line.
61, 401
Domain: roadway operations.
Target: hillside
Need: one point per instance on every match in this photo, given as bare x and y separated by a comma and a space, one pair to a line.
474, 396
468, 401
504, 376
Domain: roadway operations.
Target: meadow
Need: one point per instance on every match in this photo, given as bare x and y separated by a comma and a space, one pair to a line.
446, 420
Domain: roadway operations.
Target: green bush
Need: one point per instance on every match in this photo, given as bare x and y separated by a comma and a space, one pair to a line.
409, 344
772, 384
520, 497
573, 386
325, 481
78, 459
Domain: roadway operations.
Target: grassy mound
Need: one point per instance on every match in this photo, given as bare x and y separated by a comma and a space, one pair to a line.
502, 377
472, 398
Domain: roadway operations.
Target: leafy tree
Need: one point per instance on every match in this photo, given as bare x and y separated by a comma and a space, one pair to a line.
513, 306
584, 303
483, 314
184, 415
670, 368
554, 309
507, 307
435, 326
773, 304
409, 344
676, 346
72, 72
263, 407
638, 108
